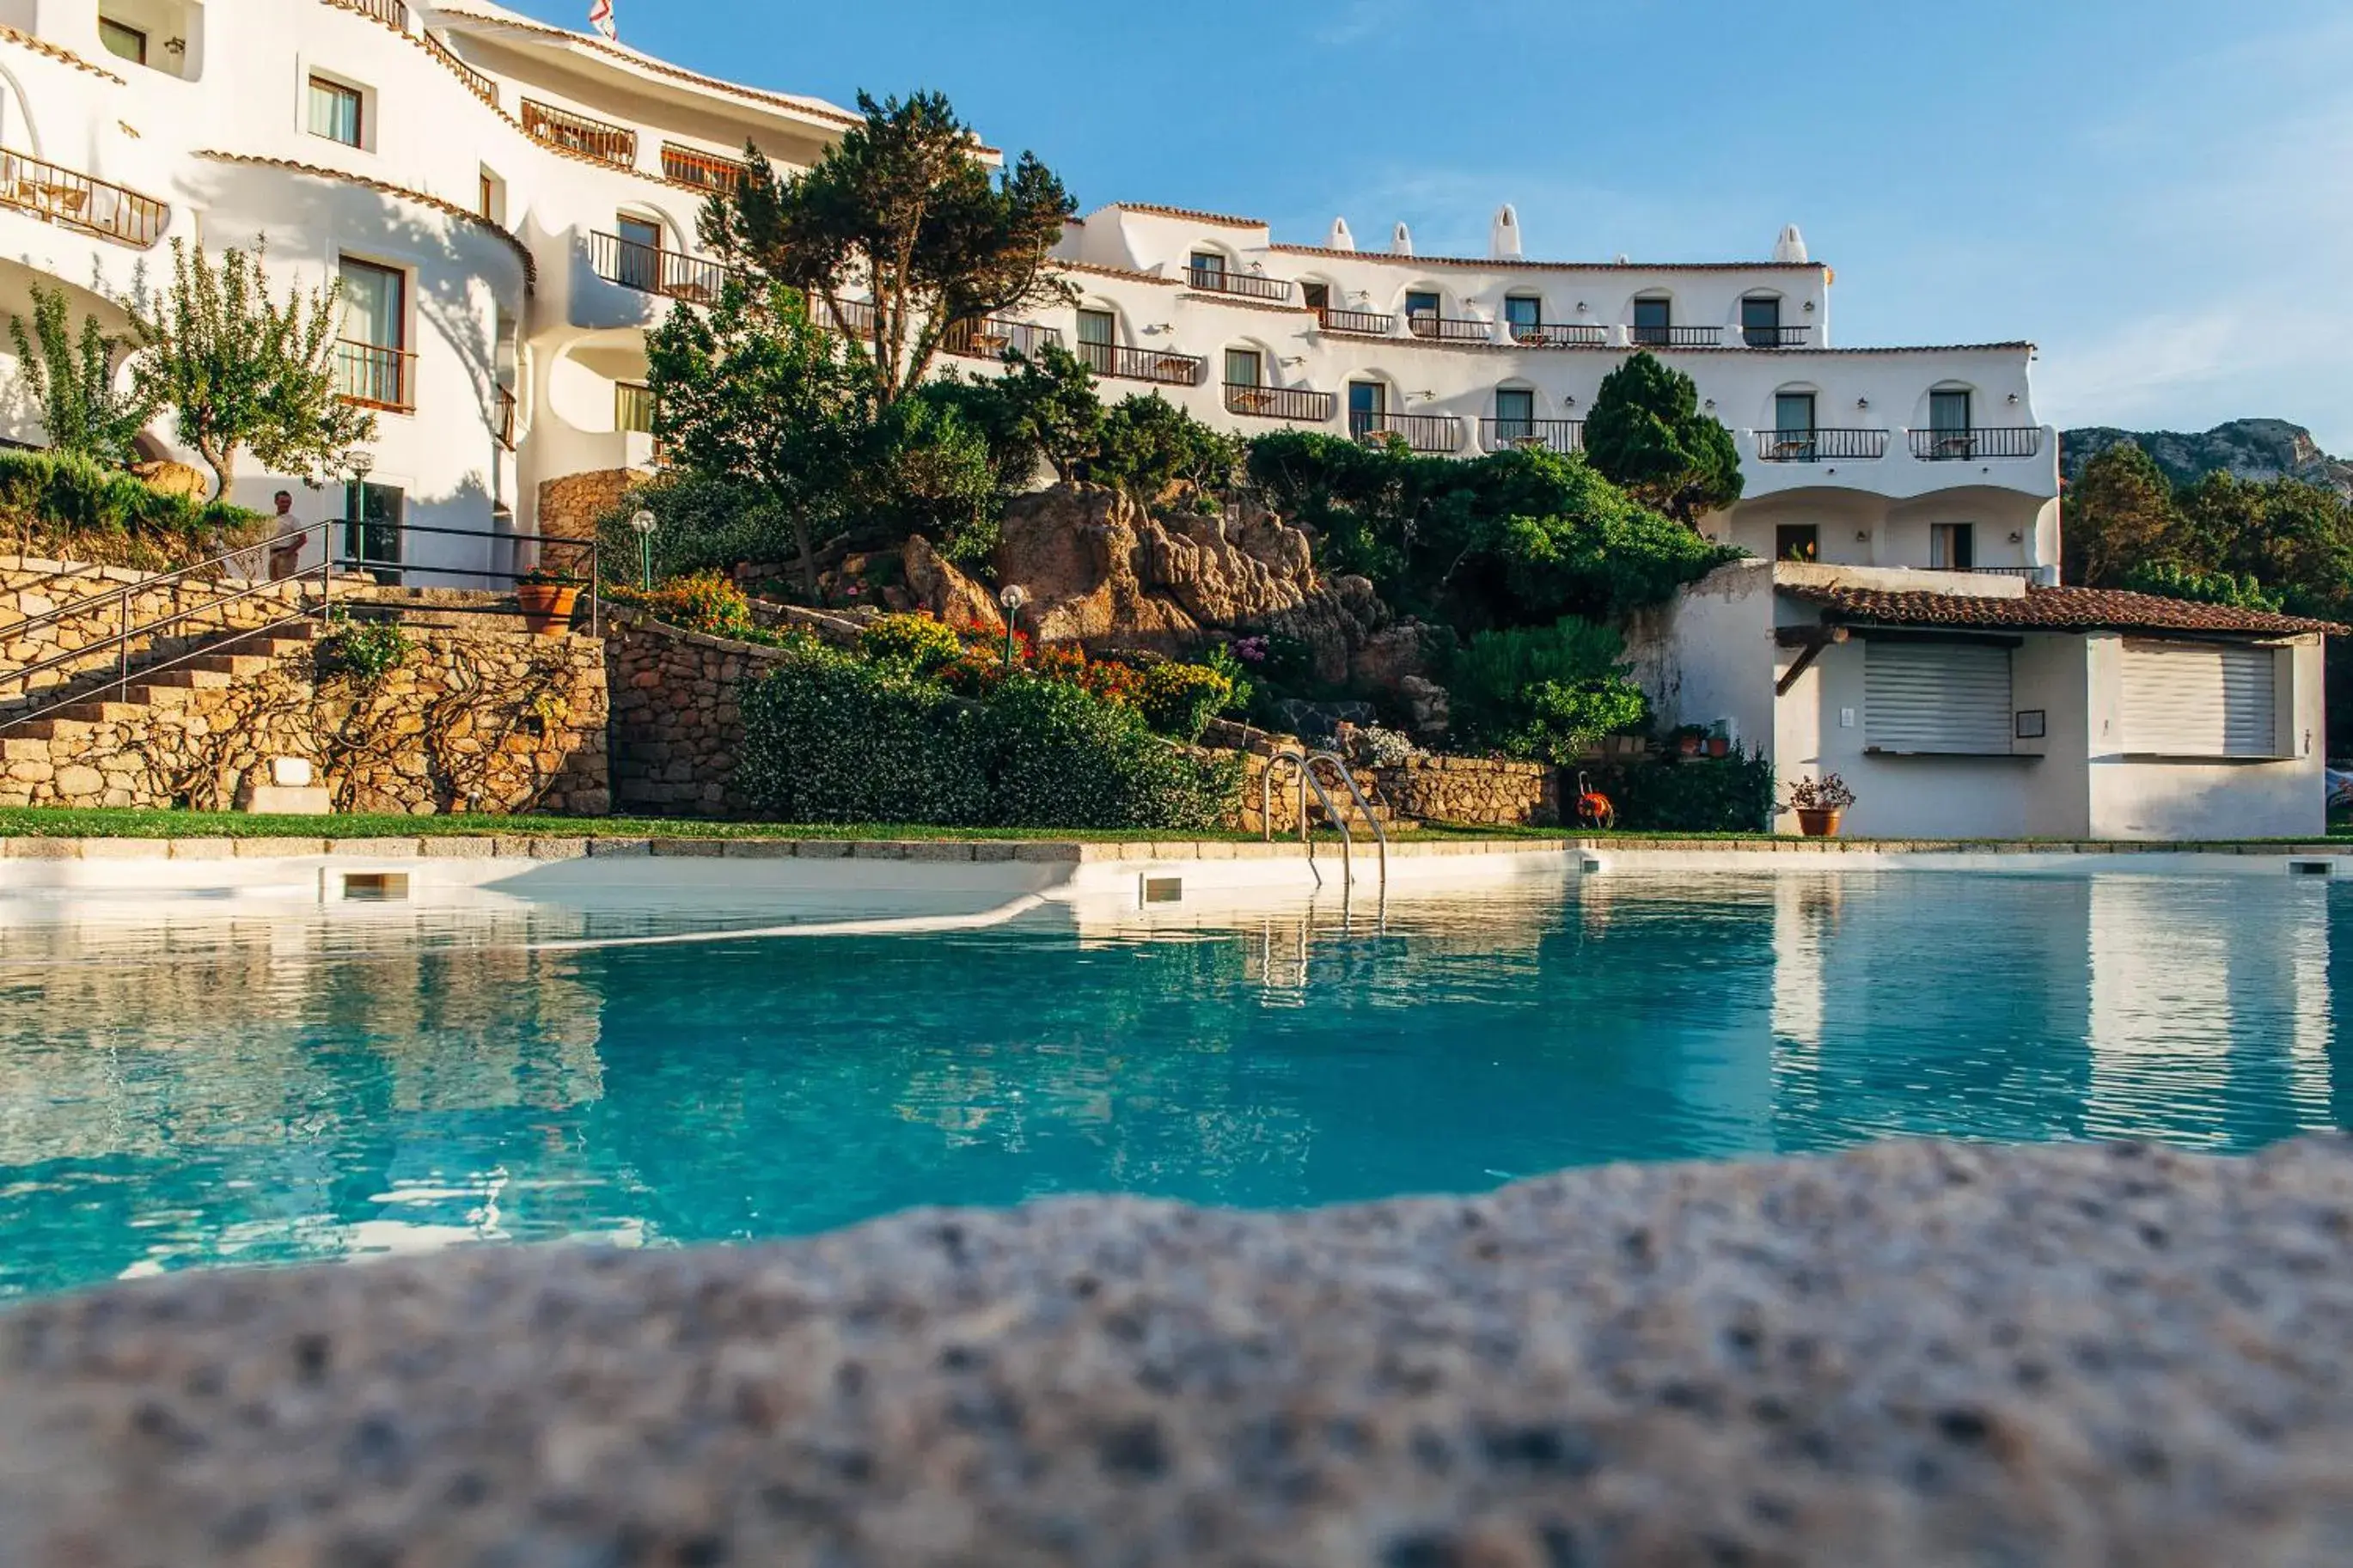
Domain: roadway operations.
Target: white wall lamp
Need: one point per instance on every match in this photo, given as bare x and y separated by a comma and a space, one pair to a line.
1863, 404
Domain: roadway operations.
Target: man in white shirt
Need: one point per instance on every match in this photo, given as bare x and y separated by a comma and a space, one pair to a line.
286, 545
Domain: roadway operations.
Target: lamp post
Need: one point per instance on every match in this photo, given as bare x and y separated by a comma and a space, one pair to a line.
1014, 596
645, 522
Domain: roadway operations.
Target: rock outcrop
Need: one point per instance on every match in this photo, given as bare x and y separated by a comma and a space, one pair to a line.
169, 478
2247, 448
935, 583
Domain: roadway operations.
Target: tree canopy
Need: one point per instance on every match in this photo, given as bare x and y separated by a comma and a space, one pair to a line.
72, 378
1647, 434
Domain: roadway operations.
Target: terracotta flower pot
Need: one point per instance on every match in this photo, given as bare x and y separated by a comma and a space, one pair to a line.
547, 606
1718, 747
1820, 824
1687, 744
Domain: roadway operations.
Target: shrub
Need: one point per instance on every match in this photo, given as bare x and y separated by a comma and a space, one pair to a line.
1690, 795
704, 602
829, 738
1145, 444
2175, 582
48, 495
918, 643
1059, 757
363, 651
1179, 699
1544, 693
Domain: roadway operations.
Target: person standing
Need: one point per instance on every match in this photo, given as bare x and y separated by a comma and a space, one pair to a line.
286, 544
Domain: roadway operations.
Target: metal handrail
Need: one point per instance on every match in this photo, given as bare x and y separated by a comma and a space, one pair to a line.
1296, 403
1249, 285
1434, 433
992, 337
1559, 334
1817, 444
1125, 361
1305, 763
1952, 445
579, 133
478, 83
1448, 329
1363, 324
1563, 435
81, 202
655, 269
145, 584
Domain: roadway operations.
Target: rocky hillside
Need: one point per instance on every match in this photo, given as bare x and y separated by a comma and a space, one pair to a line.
2250, 449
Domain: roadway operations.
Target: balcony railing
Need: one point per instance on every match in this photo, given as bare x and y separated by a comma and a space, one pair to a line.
1295, 403
1554, 434
1559, 335
1777, 337
699, 171
1969, 445
1249, 285
1122, 362
856, 317
79, 202
502, 411
391, 12
649, 267
483, 86
1438, 433
994, 338
2032, 573
1678, 337
1821, 446
1449, 329
1364, 323
594, 138
375, 376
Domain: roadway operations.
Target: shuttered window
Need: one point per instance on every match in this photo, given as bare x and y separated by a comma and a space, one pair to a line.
1949, 698
2184, 700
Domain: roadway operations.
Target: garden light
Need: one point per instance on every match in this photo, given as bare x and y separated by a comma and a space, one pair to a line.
1012, 599
645, 522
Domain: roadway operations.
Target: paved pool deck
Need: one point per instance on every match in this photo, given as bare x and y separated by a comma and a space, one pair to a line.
1915, 1353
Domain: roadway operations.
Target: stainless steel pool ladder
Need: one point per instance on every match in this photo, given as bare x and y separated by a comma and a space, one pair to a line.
1305, 761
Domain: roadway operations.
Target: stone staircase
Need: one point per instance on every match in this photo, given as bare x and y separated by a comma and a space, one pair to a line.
239, 655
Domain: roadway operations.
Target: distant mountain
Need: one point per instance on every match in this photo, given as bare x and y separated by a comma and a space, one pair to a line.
2250, 449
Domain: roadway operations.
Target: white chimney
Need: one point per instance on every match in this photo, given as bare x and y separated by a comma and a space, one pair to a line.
1790, 248
1504, 238
1340, 238
1402, 241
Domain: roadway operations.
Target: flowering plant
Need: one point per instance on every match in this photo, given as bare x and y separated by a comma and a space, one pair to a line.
1829, 792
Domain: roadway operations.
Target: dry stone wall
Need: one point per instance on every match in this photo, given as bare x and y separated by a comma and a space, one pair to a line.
32, 588
678, 722
1486, 792
571, 507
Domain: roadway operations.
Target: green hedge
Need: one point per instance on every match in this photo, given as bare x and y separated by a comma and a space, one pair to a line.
1690, 794
45, 491
829, 738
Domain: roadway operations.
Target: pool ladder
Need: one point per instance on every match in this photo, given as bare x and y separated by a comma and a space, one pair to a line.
1305, 764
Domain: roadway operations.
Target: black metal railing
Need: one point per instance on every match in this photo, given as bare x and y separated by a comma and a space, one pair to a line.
2032, 573
1249, 285
855, 317
481, 86
1122, 362
1559, 335
994, 337
391, 12
1448, 329
1677, 337
1363, 324
1820, 446
1554, 435
1437, 433
376, 375
1294, 403
77, 201
608, 143
1983, 441
672, 274
1777, 337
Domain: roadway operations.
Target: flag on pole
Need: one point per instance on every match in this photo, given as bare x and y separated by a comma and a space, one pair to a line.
600, 17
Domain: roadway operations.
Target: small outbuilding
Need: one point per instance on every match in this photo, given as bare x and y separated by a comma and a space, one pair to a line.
1965, 706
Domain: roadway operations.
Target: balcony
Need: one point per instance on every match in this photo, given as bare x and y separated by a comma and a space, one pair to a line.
856, 317
1449, 329
1559, 335
1969, 445
78, 201
1247, 285
1357, 323
1293, 402
1563, 435
994, 338
480, 85
579, 135
1121, 362
376, 375
1440, 434
1777, 337
1821, 446
393, 14
650, 269
1678, 337
699, 171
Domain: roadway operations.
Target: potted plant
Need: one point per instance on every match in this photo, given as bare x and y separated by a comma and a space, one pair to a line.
548, 596
1821, 804
1689, 739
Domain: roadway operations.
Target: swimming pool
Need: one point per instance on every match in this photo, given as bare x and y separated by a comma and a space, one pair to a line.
230, 1090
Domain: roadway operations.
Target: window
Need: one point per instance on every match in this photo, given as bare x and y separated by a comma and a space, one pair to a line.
1523, 313
1949, 411
1936, 698
374, 367
1760, 322
1318, 296
640, 253
1421, 303
1368, 402
1209, 267
1244, 367
1793, 427
1515, 414
335, 112
491, 201
1653, 321
633, 408
1098, 330
123, 40
1953, 546
1797, 542
2183, 699
373, 515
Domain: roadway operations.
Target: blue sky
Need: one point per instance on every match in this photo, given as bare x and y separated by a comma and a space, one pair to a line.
2158, 192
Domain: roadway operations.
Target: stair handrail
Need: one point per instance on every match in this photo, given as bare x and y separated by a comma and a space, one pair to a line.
1364, 808
1305, 763
164, 580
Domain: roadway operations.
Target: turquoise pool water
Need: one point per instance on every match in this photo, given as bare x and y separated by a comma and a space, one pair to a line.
215, 1091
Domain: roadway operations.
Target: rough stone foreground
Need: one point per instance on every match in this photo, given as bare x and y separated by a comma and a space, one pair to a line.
1915, 1354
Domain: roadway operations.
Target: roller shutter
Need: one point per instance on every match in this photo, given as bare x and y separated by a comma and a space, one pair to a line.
2188, 699
1951, 697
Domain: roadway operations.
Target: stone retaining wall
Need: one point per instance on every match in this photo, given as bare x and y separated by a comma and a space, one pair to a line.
1483, 790
31, 587
571, 507
677, 727
474, 721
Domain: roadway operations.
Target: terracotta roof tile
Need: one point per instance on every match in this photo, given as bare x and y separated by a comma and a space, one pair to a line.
43, 46
1224, 219
1127, 272
2053, 609
1521, 264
